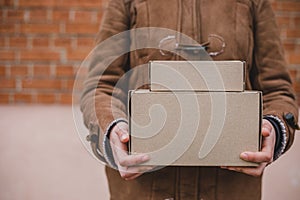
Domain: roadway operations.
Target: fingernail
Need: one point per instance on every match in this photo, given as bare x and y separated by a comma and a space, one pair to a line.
244, 156
266, 132
124, 137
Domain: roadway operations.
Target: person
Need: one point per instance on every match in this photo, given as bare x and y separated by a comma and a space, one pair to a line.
249, 29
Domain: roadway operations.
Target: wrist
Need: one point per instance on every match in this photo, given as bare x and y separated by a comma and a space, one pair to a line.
108, 153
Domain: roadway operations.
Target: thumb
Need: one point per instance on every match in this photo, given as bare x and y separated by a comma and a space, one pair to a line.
121, 129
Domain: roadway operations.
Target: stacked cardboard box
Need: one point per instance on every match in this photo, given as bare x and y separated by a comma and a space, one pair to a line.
196, 113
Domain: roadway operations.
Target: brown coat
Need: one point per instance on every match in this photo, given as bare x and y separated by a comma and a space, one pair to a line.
250, 32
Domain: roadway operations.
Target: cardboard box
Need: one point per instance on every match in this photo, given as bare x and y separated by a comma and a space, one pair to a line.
197, 76
195, 128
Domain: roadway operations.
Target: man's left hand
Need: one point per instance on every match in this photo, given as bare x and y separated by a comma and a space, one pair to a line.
263, 157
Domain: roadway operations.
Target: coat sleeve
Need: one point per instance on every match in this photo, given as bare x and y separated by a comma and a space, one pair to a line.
270, 74
102, 100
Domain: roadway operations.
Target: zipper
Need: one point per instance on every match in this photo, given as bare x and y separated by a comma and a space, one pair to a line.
197, 21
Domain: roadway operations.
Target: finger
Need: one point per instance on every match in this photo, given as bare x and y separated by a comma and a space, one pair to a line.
122, 158
119, 149
253, 171
257, 157
131, 160
133, 177
129, 173
130, 176
122, 132
266, 128
124, 174
117, 145
268, 146
135, 169
265, 132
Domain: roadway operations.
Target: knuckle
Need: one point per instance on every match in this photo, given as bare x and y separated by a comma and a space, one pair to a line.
119, 129
124, 175
268, 157
137, 160
122, 162
256, 173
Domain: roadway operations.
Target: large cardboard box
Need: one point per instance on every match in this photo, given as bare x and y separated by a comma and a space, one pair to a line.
197, 76
194, 128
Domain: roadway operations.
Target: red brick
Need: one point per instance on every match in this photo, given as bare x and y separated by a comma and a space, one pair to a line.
294, 58
49, 84
7, 55
18, 71
297, 87
96, 4
7, 2
46, 98
83, 16
274, 4
291, 6
296, 21
40, 42
65, 71
2, 41
15, 15
7, 83
293, 33
7, 28
41, 71
99, 16
35, 3
283, 21
66, 98
60, 15
86, 42
4, 98
82, 28
38, 15
69, 84
23, 98
79, 54
39, 28
18, 41
42, 55
60, 3
2, 70
289, 47
63, 42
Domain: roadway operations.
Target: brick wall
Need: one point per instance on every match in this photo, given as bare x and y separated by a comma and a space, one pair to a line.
42, 43
288, 19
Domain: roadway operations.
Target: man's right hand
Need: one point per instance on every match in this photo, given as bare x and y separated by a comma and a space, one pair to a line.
127, 164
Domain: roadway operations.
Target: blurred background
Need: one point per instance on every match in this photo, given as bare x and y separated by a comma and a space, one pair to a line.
42, 44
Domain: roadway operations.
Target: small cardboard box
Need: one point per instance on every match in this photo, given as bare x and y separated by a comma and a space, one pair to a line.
197, 76
195, 128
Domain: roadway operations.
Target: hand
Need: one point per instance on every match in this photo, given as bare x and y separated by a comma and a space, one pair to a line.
264, 157
127, 164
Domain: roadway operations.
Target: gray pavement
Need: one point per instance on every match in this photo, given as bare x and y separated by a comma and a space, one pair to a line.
42, 157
